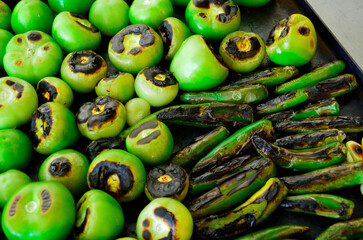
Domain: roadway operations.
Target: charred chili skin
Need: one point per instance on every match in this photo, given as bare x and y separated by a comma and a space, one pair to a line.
278, 232
351, 229
247, 215
103, 144
325, 205
39, 210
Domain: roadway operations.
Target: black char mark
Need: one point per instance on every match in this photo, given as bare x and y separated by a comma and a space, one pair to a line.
282, 24
169, 219
152, 72
46, 91
34, 36
46, 200
149, 138
90, 28
202, 3
60, 167
79, 230
16, 87
230, 11
166, 30
305, 31
232, 48
100, 145
93, 63
142, 127
44, 113
12, 210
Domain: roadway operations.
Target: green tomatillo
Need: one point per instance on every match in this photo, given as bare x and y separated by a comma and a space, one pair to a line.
252, 3
136, 109
79, 7
5, 37
5, 16
292, 41
53, 89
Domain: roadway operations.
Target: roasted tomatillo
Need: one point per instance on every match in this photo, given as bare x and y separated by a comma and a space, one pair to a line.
292, 41
5, 37
79, 7
103, 144
136, 109
252, 3
213, 19
5, 16
53, 89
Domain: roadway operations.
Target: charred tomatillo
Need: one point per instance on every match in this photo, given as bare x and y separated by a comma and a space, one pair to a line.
134, 48
136, 109
103, 144
242, 51
39, 210
119, 173
53, 89
79, 7
5, 16
32, 56
195, 66
150, 13
53, 127
74, 32
292, 41
99, 216
252, 3
5, 37
18, 101
213, 19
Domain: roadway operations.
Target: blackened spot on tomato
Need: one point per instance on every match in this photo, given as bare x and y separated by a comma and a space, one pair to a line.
46, 91
60, 167
151, 74
166, 30
46, 200
148, 139
142, 127
305, 31
135, 51
19, 40
231, 48
78, 230
86, 62
284, 32
230, 12
46, 48
202, 15
44, 114
358, 149
18, 62
168, 218
113, 76
34, 36
271, 37
91, 27
16, 87
146, 223
1, 105
146, 234
79, 204
12, 210
201, 3
100, 145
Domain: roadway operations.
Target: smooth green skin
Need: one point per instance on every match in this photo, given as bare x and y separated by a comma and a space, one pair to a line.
80, 7
252, 3
120, 87
5, 37
293, 49
272, 233
156, 96
63, 133
30, 60
75, 179
195, 67
15, 111
137, 168
64, 91
210, 27
136, 109
109, 16
79, 81
29, 220
15, 150
30, 15
352, 229
249, 63
180, 32
5, 16
150, 13
159, 228
10, 182
106, 219
155, 152
72, 36
150, 55
326, 71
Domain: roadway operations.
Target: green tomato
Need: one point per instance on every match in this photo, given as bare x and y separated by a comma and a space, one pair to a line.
15, 150
5, 37
242, 51
18, 101
79, 7
83, 69
99, 216
152, 142
102, 118
39, 210
150, 13
119, 86
119, 173
213, 19
164, 218
134, 48
293, 41
53, 127
10, 182
5, 16
195, 67
68, 167
53, 89
252, 3
109, 16
73, 32
30, 15
136, 109
32, 56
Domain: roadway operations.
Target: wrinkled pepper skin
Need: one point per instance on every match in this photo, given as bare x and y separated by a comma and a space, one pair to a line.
233, 189
352, 229
244, 217
273, 233
319, 74
301, 160
327, 179
325, 205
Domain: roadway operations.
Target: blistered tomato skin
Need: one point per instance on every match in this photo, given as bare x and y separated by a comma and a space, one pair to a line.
53, 89
5, 37
32, 56
5, 16
79, 7
18, 100
292, 41
39, 210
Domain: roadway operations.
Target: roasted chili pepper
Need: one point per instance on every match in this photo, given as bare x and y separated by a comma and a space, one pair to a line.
301, 160
246, 216
273, 233
354, 151
352, 229
325, 205
319, 74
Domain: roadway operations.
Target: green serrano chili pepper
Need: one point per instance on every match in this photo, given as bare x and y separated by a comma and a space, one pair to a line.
310, 139
325, 205
352, 229
233, 189
200, 146
273, 233
301, 160
244, 217
325, 107
246, 94
327, 179
319, 74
